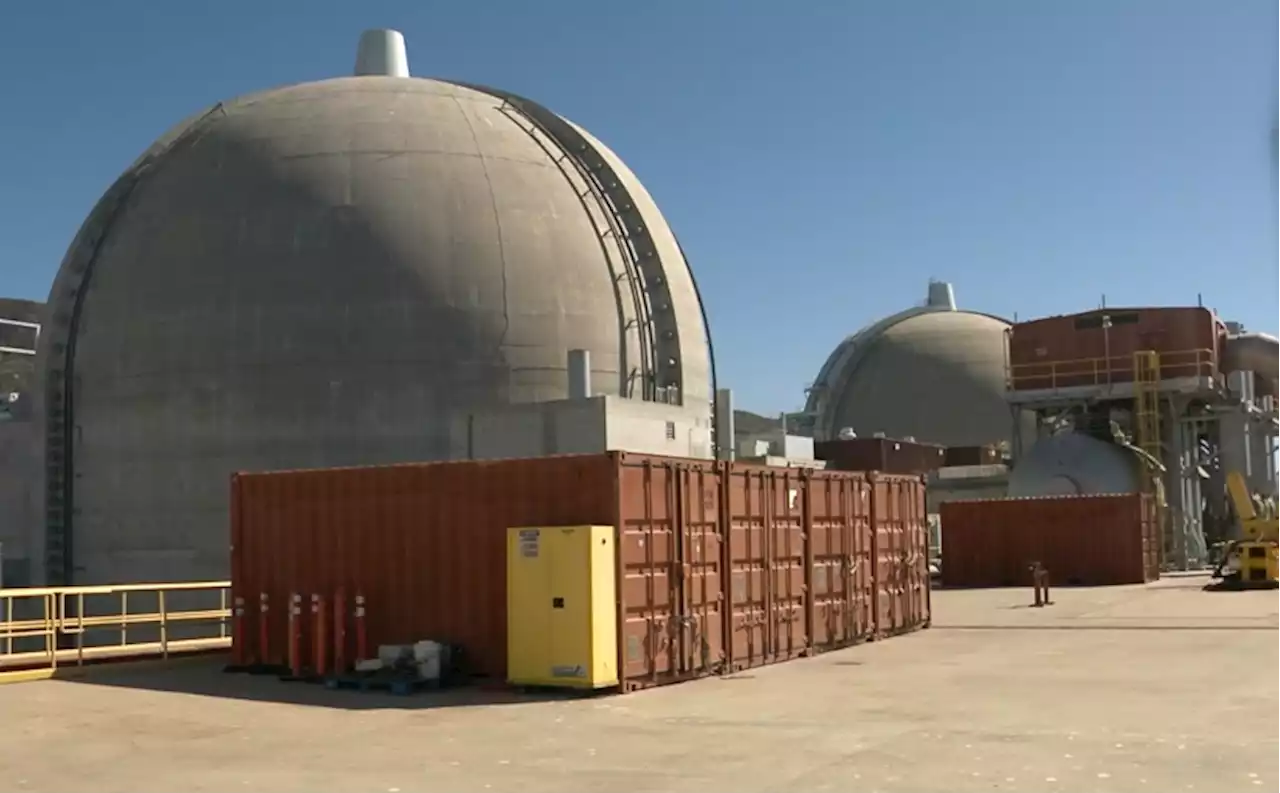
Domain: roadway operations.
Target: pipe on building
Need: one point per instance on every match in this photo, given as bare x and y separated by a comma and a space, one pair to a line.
724, 425
579, 374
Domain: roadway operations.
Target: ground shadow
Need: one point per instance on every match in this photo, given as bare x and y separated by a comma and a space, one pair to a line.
205, 676
1234, 585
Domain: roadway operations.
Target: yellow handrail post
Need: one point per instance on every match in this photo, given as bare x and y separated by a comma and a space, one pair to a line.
51, 607
164, 627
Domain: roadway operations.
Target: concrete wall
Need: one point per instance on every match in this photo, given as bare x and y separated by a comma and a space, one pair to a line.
582, 426
654, 428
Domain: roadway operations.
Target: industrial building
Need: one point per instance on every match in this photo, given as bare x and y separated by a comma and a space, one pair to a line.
889, 378
1164, 400
330, 274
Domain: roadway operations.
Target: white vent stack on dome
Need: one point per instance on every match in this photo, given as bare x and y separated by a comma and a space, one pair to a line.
941, 295
382, 52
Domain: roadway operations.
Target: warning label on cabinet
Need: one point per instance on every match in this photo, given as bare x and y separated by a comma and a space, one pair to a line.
529, 543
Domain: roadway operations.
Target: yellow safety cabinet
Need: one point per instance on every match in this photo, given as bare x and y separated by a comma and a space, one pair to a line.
562, 614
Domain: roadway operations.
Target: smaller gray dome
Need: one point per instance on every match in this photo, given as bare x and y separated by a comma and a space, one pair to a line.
932, 372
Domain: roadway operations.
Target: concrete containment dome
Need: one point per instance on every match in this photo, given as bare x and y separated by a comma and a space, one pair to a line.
932, 372
324, 274
1072, 463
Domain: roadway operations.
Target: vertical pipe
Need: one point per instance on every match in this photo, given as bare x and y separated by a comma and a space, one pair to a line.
579, 369
724, 425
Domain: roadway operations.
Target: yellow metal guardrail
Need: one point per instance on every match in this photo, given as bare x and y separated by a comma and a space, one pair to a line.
1052, 375
47, 629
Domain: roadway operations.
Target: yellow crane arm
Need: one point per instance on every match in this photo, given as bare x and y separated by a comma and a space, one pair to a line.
1239, 493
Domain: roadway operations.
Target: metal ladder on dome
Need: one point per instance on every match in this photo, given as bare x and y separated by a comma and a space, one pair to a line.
1146, 416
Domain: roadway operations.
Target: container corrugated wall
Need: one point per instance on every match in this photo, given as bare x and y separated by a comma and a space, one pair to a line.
721, 565
1080, 540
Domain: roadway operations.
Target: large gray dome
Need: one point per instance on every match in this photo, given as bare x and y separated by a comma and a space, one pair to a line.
931, 372
322, 275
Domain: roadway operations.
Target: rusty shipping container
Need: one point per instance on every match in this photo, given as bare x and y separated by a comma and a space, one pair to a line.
887, 455
720, 565
1080, 540
1077, 350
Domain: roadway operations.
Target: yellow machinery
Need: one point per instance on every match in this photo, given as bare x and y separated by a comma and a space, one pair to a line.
562, 614
1255, 557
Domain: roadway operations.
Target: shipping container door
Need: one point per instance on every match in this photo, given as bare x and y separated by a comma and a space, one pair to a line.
700, 555
670, 560
787, 552
916, 529
831, 557
862, 542
767, 556
902, 584
746, 504
839, 543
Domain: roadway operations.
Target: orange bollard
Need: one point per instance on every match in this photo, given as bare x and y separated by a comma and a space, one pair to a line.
340, 631
237, 632
319, 650
362, 637
295, 634
264, 633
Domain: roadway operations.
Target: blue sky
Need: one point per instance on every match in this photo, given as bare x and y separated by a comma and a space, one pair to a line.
820, 160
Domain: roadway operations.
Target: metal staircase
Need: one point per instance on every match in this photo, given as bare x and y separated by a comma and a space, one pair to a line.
1146, 401
1146, 420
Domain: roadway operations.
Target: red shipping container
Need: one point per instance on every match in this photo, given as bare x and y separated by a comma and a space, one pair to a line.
1080, 540
1076, 350
720, 565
